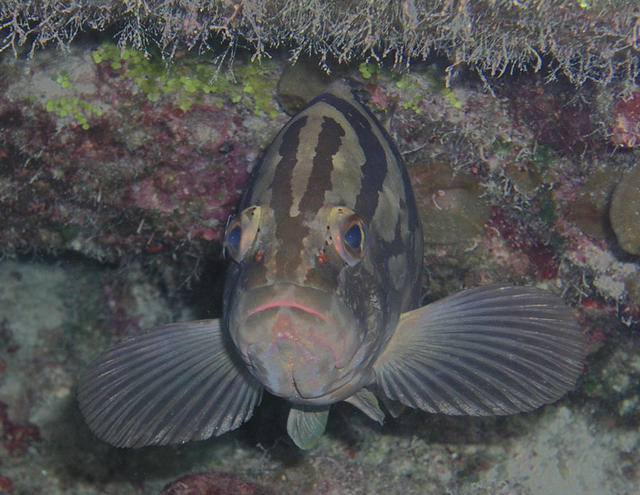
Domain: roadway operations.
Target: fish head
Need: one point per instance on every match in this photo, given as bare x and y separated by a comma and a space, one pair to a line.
304, 313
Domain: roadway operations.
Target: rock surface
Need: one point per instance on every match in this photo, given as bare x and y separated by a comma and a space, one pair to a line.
212, 484
115, 181
625, 211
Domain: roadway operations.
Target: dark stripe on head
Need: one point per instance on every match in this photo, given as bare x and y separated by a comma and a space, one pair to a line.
374, 169
282, 197
329, 143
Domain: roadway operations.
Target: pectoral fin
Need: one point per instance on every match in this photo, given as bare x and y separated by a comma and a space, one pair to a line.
484, 351
366, 401
177, 383
306, 425
393, 407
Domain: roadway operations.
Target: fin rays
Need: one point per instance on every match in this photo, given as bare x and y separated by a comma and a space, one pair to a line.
171, 385
490, 350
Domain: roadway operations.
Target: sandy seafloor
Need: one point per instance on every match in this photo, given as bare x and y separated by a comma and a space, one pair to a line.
56, 309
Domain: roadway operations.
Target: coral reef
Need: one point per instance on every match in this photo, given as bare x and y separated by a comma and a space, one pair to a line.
586, 40
113, 155
626, 131
118, 170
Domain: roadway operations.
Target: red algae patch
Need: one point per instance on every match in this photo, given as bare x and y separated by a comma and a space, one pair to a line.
212, 484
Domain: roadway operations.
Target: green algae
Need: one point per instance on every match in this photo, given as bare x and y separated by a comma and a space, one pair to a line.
64, 80
189, 79
412, 93
542, 156
368, 70
415, 86
71, 106
439, 85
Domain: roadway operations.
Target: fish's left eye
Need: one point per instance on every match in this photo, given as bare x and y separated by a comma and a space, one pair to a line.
241, 232
353, 236
348, 232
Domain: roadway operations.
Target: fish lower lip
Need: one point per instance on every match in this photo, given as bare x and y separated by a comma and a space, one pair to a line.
282, 371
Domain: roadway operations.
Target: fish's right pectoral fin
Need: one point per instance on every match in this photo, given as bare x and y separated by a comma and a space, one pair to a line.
484, 351
176, 383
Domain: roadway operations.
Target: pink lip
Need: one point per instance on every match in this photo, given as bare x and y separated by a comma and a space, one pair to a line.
288, 304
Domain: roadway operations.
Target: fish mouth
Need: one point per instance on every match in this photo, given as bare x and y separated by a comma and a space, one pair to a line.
290, 304
299, 342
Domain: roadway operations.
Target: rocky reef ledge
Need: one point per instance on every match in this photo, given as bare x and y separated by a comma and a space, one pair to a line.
588, 39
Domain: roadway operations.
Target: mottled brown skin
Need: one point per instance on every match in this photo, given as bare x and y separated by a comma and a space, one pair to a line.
327, 320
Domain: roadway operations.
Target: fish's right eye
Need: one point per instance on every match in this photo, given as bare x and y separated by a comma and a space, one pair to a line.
234, 237
241, 232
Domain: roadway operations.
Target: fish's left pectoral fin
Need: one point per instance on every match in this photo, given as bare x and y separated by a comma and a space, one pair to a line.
484, 351
177, 383
306, 424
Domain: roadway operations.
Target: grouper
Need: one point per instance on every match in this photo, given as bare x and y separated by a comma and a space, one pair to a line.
322, 305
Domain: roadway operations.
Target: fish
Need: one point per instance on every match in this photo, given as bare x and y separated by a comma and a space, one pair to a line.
321, 304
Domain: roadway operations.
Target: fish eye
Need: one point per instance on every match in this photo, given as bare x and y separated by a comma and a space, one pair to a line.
241, 232
234, 236
348, 234
353, 236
